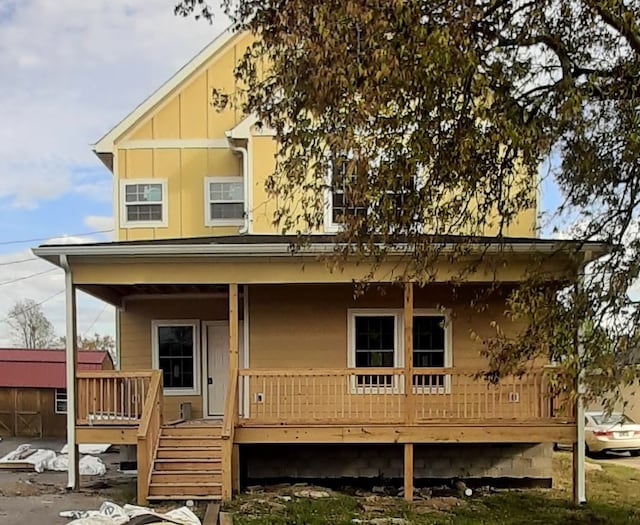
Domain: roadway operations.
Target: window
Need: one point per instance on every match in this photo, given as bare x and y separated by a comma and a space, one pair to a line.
429, 349
375, 341
61, 400
343, 200
224, 201
175, 352
143, 203
374, 344
340, 201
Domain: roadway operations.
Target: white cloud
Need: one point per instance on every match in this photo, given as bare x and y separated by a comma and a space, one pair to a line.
71, 70
100, 223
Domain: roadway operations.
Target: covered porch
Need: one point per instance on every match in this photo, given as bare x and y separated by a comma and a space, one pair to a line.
276, 349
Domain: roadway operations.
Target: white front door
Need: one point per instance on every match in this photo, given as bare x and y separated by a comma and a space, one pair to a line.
218, 364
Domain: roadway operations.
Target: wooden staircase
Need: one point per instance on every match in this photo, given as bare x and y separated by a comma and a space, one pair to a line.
187, 463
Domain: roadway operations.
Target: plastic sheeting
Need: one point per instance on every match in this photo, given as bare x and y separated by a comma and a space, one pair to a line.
88, 448
44, 459
112, 514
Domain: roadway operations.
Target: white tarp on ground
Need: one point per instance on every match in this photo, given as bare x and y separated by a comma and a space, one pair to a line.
88, 448
112, 514
44, 459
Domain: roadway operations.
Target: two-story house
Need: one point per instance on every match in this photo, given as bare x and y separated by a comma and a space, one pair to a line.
268, 363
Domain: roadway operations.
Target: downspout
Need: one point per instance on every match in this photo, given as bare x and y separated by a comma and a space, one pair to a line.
243, 150
70, 360
579, 452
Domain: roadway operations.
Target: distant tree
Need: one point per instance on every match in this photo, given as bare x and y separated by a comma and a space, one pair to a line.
30, 327
96, 341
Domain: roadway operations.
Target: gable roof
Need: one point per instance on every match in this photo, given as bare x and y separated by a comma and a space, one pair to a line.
104, 145
43, 368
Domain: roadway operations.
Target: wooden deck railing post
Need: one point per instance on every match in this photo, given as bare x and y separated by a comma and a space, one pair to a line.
409, 408
231, 401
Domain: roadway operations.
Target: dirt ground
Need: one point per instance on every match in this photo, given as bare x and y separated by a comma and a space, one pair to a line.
38, 498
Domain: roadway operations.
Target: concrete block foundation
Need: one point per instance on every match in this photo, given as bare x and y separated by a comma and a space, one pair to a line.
515, 464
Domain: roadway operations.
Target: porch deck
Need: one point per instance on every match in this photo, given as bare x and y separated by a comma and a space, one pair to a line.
310, 406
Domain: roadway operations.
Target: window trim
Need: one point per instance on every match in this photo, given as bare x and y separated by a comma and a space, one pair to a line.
334, 227
398, 354
398, 314
155, 353
125, 223
56, 400
208, 221
448, 348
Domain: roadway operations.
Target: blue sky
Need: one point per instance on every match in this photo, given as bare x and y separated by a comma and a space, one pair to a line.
70, 70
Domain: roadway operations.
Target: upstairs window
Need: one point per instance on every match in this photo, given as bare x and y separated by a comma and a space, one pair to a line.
224, 201
144, 203
349, 184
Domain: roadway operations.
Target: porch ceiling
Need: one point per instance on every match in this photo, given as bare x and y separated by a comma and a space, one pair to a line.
115, 294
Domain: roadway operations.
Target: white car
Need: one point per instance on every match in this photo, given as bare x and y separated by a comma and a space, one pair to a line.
614, 432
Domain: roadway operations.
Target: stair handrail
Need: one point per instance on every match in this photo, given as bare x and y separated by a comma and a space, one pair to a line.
149, 434
230, 406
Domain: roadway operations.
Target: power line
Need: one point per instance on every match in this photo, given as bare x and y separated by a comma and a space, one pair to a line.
28, 276
4, 243
20, 261
6, 319
84, 334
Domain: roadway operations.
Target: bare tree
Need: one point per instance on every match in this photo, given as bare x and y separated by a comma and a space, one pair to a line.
30, 327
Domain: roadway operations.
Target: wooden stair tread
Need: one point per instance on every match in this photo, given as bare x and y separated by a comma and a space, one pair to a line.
181, 497
190, 447
187, 484
178, 472
194, 460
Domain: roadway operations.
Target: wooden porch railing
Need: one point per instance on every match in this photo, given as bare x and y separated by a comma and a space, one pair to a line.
383, 395
149, 434
111, 397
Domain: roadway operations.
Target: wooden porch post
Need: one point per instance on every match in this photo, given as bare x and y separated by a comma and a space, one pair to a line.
408, 353
408, 471
408, 387
229, 466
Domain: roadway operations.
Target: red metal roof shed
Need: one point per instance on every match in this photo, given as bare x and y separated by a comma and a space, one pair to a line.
43, 368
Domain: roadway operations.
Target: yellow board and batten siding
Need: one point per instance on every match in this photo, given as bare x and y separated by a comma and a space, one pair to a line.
184, 115
136, 337
309, 341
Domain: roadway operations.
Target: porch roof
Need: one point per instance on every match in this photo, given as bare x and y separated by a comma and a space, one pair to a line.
253, 245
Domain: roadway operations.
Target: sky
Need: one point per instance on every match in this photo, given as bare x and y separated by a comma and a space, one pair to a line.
69, 71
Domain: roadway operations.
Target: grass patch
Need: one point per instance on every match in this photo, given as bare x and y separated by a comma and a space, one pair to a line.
612, 493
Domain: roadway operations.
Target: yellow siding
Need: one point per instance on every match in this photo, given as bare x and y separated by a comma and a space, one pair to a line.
187, 114
262, 165
315, 318
135, 335
286, 270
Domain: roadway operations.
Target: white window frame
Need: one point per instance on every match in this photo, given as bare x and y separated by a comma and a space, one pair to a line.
398, 354
448, 348
335, 227
59, 392
208, 221
155, 355
398, 358
124, 223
